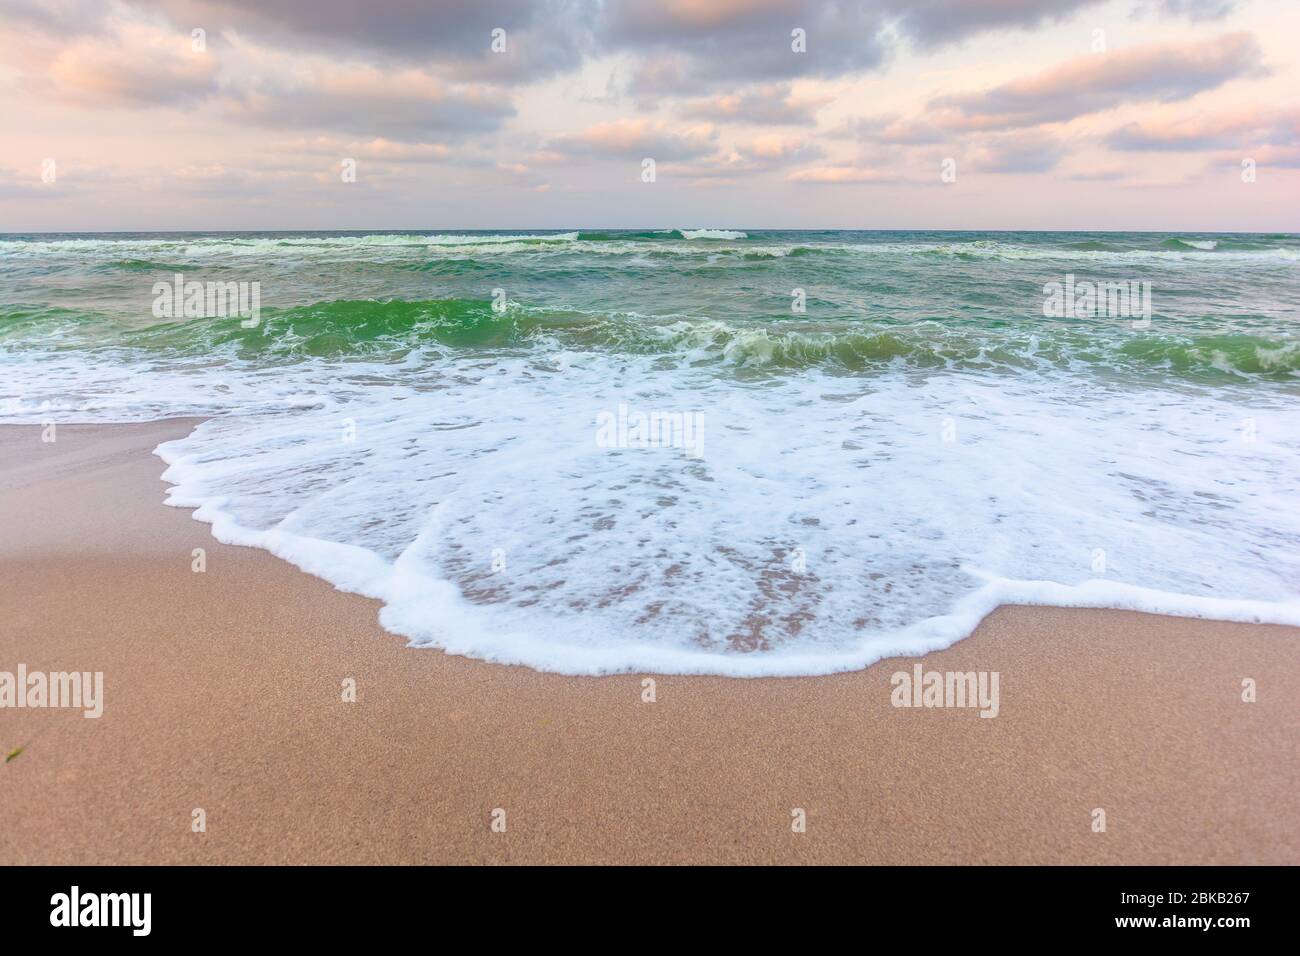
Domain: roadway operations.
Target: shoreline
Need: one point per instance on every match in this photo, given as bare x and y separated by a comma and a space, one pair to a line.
957, 623
222, 692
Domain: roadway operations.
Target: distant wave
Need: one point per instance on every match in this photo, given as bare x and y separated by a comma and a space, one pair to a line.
145, 265
474, 240
712, 234
357, 328
617, 235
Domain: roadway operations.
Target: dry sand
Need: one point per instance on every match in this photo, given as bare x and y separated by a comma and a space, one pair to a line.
223, 691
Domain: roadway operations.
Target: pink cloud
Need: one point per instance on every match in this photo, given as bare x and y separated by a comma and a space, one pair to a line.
1210, 130
1100, 81
772, 104
139, 65
638, 137
830, 175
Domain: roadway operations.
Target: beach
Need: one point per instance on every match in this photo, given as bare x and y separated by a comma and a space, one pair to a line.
224, 692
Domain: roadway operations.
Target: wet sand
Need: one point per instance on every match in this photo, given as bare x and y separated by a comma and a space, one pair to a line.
223, 691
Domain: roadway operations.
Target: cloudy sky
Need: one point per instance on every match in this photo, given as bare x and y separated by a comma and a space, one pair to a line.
244, 114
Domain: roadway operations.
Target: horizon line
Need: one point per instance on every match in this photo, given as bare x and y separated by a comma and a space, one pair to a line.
579, 229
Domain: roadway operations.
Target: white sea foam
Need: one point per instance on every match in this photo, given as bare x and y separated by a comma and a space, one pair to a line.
642, 559
387, 248
713, 234
490, 240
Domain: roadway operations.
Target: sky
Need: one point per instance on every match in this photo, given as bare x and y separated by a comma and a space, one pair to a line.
140, 115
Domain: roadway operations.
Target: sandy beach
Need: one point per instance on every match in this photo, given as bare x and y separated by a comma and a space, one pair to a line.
223, 692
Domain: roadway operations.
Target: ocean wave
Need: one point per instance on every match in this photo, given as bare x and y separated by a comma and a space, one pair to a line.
336, 328
144, 265
1092, 250
657, 235
1194, 245
163, 252
513, 240
712, 234
349, 328
934, 346
41, 323
822, 529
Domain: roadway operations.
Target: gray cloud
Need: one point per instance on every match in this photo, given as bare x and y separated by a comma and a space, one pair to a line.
690, 44
1107, 175
1223, 131
103, 72
1093, 83
1191, 9
13, 187
932, 23
1028, 152
891, 129
936, 22
58, 18
770, 105
1266, 157
636, 139
419, 111
543, 37
687, 47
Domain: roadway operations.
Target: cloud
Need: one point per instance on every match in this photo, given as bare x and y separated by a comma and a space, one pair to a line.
1279, 157
936, 22
1096, 82
770, 105
73, 178
378, 150
890, 129
837, 175
140, 55
1101, 174
718, 38
58, 18
136, 65
637, 138
1205, 131
542, 37
691, 46
19, 185
758, 155
546, 157
774, 149
717, 171
225, 182
410, 106
1191, 9
688, 45
1027, 152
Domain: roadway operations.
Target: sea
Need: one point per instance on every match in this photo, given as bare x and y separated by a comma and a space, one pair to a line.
724, 451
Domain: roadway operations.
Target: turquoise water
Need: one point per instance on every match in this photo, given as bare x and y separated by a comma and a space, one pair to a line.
417, 416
